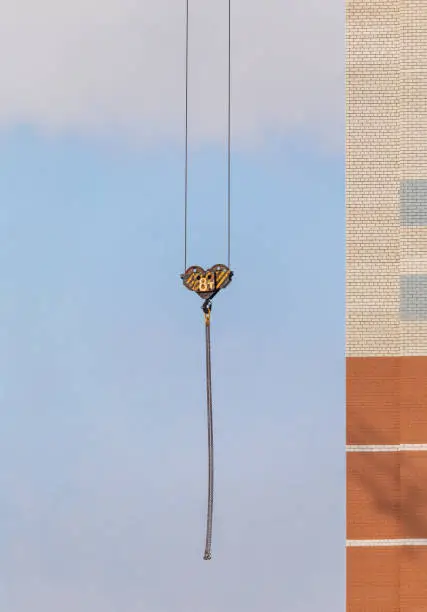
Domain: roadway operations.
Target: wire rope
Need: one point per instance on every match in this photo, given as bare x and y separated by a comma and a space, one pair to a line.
207, 304
186, 164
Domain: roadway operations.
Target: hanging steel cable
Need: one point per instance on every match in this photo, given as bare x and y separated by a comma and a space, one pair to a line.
186, 137
229, 138
186, 162
207, 283
209, 514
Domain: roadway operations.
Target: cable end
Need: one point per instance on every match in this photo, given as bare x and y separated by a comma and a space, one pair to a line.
207, 556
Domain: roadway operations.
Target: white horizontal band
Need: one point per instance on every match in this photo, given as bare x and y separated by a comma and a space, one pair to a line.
406, 542
384, 448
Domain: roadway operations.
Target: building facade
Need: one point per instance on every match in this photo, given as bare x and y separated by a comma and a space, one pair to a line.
386, 314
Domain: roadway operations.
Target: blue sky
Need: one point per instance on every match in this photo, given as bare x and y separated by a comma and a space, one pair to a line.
103, 471
103, 433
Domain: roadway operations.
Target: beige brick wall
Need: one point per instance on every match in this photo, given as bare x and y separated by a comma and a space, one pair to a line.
413, 89
386, 141
372, 185
413, 151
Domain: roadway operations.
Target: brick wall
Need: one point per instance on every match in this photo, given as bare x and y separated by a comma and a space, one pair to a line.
386, 315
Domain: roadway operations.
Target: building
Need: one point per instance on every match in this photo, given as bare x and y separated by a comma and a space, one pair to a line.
386, 317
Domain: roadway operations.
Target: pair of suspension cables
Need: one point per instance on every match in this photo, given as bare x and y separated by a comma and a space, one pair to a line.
207, 283
187, 21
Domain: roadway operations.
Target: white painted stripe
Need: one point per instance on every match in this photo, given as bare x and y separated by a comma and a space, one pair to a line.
384, 448
396, 542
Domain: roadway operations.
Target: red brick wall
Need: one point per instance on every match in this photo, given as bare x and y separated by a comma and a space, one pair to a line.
387, 579
387, 400
386, 490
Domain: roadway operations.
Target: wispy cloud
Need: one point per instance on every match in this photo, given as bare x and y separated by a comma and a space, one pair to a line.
117, 67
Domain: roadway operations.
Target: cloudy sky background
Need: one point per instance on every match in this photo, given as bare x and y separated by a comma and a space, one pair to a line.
98, 68
103, 471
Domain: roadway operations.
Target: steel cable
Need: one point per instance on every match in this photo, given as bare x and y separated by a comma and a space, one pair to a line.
207, 304
209, 516
186, 138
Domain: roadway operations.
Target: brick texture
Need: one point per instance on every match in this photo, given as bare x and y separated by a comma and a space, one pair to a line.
387, 579
413, 202
373, 583
386, 300
386, 167
386, 495
387, 400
